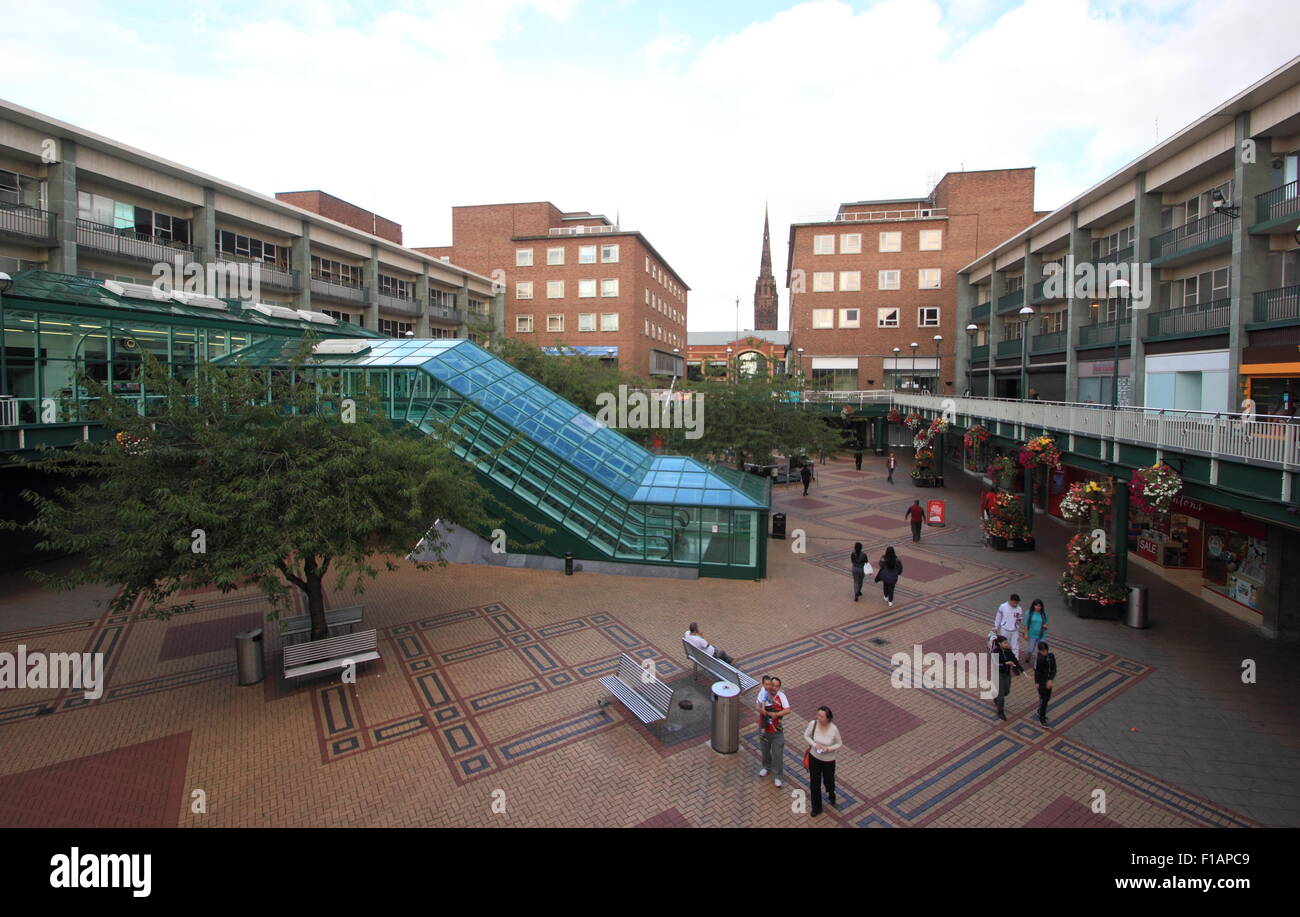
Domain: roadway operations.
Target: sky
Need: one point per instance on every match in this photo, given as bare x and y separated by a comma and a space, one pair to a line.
682, 119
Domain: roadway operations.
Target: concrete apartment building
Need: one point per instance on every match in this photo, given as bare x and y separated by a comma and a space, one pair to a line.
873, 291
576, 280
1212, 215
78, 203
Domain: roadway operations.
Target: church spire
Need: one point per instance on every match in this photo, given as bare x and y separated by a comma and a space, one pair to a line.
765, 301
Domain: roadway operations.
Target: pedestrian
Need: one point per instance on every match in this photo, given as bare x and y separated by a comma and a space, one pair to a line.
1007, 621
861, 568
773, 706
893, 462
988, 503
823, 739
1033, 394
1006, 660
697, 640
1044, 674
916, 515
1035, 627
806, 475
857, 458
891, 568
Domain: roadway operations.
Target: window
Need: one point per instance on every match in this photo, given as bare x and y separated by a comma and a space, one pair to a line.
823, 281
886, 318
586, 321
823, 318
555, 289
931, 240
823, 245
888, 280
21, 189
647, 297
335, 272
927, 278
524, 324
609, 254
891, 241
609, 321
1053, 322
524, 289
345, 317
586, 254
392, 286
647, 265
927, 317
850, 318
523, 257
850, 281
555, 322
394, 329
609, 287
586, 289
555, 256
851, 244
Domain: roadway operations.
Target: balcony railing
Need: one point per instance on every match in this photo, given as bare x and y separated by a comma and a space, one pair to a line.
1204, 317
1052, 342
1010, 348
1214, 228
27, 224
268, 275
340, 291
1013, 300
399, 304
1118, 256
979, 353
1280, 202
126, 243
980, 312
584, 230
1104, 333
1280, 305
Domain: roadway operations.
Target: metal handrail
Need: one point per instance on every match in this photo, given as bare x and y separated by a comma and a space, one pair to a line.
1281, 201
1198, 232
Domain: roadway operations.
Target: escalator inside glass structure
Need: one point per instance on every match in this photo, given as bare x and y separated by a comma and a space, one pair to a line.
603, 496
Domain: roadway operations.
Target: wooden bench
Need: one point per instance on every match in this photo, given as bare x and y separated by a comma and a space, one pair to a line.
719, 669
332, 653
640, 691
334, 618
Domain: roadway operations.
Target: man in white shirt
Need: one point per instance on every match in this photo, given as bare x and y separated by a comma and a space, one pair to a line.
696, 639
1007, 622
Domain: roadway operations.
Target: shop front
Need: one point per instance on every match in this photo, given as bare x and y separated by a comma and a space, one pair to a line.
1272, 378
1096, 377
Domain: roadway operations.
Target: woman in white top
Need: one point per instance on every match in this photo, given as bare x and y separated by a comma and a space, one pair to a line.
823, 739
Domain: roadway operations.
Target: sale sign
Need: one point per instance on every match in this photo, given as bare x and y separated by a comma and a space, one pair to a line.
934, 511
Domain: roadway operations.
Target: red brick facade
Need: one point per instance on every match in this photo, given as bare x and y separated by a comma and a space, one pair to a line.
327, 205
970, 211
713, 361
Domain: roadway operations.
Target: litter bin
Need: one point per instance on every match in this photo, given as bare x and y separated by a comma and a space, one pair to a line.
1135, 615
248, 655
778, 525
726, 718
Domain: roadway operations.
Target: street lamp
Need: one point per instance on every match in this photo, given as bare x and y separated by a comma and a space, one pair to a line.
971, 330
914, 345
897, 370
730, 375
938, 339
1026, 313
1117, 291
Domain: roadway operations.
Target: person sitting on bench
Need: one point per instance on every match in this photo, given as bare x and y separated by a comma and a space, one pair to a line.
694, 638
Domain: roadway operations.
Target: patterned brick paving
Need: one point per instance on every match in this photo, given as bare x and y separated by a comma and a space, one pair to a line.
484, 708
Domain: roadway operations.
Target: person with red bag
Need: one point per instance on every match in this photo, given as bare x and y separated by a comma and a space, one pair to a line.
823, 738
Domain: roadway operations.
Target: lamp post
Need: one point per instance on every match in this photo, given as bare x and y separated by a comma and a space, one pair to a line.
731, 376
897, 351
971, 330
938, 339
914, 345
1117, 290
1026, 313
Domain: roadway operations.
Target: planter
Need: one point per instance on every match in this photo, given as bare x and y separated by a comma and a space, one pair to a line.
1011, 544
928, 481
1088, 608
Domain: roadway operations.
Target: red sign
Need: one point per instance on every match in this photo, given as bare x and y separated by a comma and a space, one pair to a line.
934, 512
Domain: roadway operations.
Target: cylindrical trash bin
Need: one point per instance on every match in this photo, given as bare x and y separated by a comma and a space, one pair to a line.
778, 525
248, 655
726, 718
1135, 615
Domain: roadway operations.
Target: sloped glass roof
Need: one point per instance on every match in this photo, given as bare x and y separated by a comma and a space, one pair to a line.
525, 405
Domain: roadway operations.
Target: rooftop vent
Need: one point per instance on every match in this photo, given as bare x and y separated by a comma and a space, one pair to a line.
135, 290
319, 317
342, 347
197, 299
276, 311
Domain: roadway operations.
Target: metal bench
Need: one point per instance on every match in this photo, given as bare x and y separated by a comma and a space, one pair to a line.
331, 653
718, 668
334, 618
640, 691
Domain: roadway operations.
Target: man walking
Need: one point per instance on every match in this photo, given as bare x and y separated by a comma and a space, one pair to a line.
1007, 622
773, 706
805, 475
857, 457
916, 516
861, 569
893, 462
1044, 663
1006, 661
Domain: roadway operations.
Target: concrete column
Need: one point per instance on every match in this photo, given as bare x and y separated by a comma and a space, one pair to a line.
966, 297
61, 198
1146, 226
499, 311
1078, 309
371, 270
1119, 529
204, 229
423, 297
1249, 253
997, 287
300, 261
1033, 274
462, 303
1281, 585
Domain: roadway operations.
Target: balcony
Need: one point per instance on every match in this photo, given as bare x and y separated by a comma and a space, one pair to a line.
980, 312
1279, 204
27, 225
1052, 342
1192, 237
342, 292
1010, 348
126, 243
1118, 256
1102, 333
883, 216
584, 230
402, 304
1280, 305
1036, 293
1203, 318
1013, 300
979, 353
266, 275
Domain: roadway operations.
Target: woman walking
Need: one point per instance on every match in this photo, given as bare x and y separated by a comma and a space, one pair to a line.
1035, 626
823, 739
861, 568
891, 568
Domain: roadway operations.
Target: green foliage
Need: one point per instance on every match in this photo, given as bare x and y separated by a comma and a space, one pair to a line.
579, 379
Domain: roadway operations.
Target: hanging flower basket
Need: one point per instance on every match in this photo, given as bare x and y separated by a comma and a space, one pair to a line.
1041, 450
938, 425
1085, 502
1003, 470
1153, 489
1007, 520
913, 422
893, 416
1090, 575
975, 436
132, 445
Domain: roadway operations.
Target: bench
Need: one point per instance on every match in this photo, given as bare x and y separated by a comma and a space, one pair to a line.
719, 669
336, 617
331, 653
640, 691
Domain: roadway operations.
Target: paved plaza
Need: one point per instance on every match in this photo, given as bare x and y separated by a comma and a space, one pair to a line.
486, 698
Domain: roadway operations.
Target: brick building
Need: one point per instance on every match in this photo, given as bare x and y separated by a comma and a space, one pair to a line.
880, 276
576, 280
327, 205
714, 353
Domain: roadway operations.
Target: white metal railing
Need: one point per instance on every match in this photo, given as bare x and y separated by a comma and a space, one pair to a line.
8, 411
882, 216
1264, 440
583, 230
854, 397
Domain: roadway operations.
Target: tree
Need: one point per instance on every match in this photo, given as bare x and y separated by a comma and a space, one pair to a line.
221, 486
577, 378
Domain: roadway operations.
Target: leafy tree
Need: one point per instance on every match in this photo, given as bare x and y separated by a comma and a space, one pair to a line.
571, 375
219, 486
